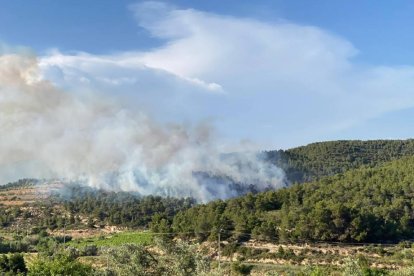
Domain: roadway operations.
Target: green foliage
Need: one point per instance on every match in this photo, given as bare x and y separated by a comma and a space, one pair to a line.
47, 246
311, 162
14, 246
140, 238
12, 264
89, 250
59, 265
407, 271
162, 227
315, 271
175, 260
130, 259
4, 263
118, 208
229, 249
360, 267
98, 207
17, 264
241, 269
363, 205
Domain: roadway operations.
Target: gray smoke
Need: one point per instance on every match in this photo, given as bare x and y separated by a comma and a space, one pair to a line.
50, 133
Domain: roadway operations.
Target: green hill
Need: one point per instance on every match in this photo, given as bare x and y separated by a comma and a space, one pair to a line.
364, 205
313, 161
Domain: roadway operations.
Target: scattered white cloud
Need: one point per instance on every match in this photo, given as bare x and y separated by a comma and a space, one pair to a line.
276, 82
130, 119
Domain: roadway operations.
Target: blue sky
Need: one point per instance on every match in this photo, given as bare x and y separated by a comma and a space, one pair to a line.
379, 29
277, 73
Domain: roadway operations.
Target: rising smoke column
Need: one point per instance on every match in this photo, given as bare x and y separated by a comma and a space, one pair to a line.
47, 132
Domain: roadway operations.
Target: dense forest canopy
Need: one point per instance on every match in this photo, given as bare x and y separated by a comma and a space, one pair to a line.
361, 205
313, 161
120, 208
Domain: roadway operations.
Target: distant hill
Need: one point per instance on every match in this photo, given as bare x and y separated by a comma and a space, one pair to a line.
301, 164
357, 194
311, 162
364, 205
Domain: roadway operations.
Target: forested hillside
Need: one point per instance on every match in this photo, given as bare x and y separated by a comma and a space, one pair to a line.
77, 206
363, 205
119, 208
311, 162
371, 203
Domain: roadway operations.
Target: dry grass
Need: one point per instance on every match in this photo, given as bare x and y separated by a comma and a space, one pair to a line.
26, 195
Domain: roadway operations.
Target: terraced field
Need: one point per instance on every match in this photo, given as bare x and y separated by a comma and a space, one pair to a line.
117, 239
17, 196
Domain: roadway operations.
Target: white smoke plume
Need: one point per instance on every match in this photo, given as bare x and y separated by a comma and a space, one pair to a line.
47, 132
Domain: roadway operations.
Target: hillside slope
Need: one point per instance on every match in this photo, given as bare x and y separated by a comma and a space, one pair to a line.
302, 164
364, 205
313, 161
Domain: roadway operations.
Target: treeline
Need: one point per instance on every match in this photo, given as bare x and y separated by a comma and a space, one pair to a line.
21, 183
311, 162
346, 207
362, 205
82, 207
118, 208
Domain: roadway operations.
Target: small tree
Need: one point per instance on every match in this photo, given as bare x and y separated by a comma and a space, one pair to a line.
175, 260
12, 264
241, 269
17, 264
4, 263
131, 259
59, 265
162, 226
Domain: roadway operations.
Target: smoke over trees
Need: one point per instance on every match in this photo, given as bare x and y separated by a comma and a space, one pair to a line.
86, 136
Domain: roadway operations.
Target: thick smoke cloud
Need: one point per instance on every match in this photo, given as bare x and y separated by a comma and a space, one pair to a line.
86, 136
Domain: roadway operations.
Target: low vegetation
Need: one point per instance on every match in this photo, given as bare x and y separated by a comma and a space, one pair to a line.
117, 239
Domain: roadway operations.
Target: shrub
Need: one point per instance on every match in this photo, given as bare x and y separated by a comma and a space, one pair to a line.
89, 250
58, 265
241, 269
12, 264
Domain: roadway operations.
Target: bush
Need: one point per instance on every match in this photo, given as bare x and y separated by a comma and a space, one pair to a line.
72, 252
405, 244
63, 239
241, 269
47, 246
4, 263
360, 267
12, 264
89, 250
59, 265
315, 271
408, 271
176, 259
229, 249
17, 264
